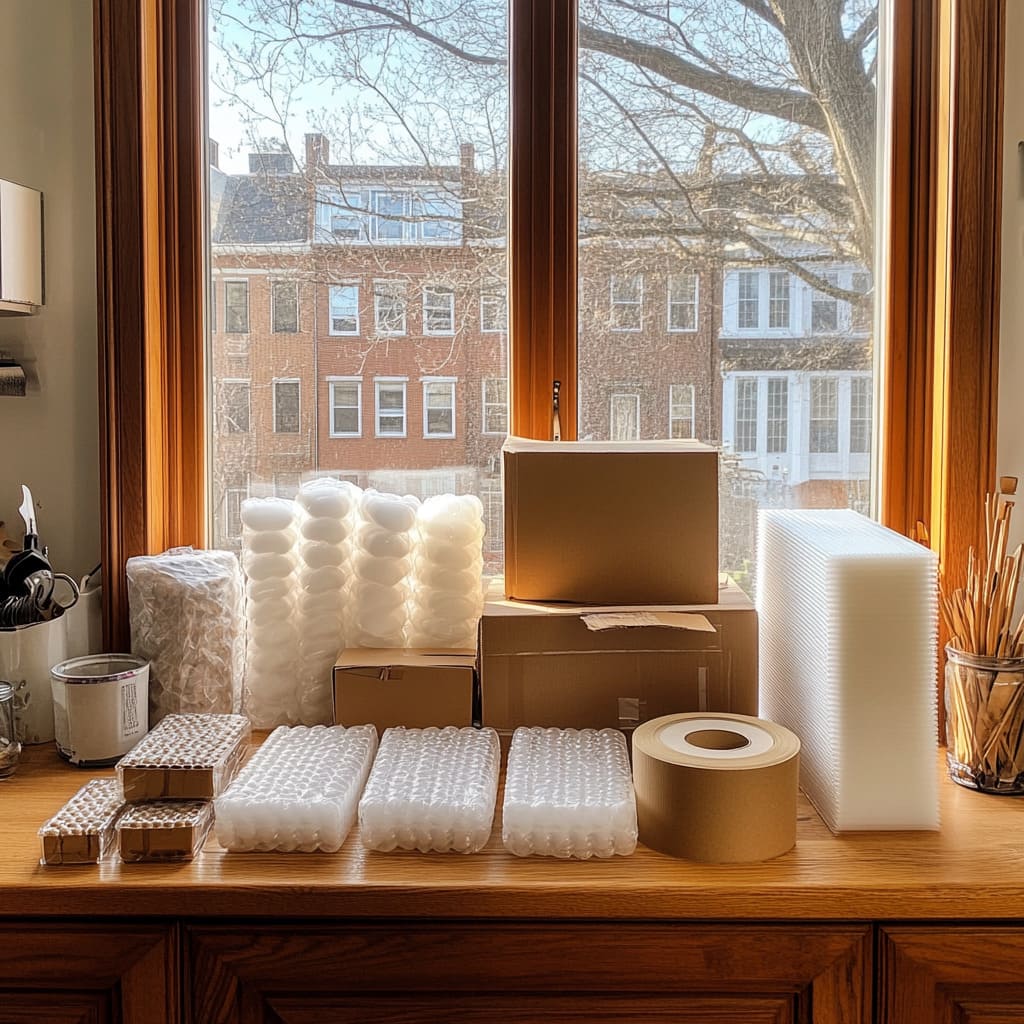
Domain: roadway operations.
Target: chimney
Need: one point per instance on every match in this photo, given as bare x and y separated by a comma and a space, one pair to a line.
214, 154
467, 157
318, 152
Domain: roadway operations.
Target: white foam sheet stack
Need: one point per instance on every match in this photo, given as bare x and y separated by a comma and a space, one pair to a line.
299, 792
269, 536
447, 594
326, 522
381, 564
569, 793
431, 789
849, 625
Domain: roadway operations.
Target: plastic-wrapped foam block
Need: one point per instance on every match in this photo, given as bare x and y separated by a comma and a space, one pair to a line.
82, 831
431, 789
569, 793
848, 644
172, 830
299, 792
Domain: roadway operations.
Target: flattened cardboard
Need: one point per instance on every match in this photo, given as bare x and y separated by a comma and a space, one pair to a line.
417, 688
611, 522
541, 665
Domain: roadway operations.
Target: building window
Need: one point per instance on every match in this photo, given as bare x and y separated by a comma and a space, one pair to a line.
745, 433
495, 405
494, 517
235, 407
682, 302
213, 307
681, 411
286, 485
439, 408
439, 217
625, 418
860, 414
233, 498
778, 415
344, 301
825, 309
824, 437
284, 306
748, 313
286, 406
236, 307
389, 222
627, 294
389, 307
390, 408
346, 395
493, 311
438, 310
861, 312
778, 300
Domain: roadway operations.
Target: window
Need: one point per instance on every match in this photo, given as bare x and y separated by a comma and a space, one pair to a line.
860, 415
234, 406
284, 303
439, 408
748, 314
861, 311
627, 293
625, 418
778, 300
682, 302
236, 307
233, 498
390, 397
824, 437
680, 411
778, 415
346, 396
389, 307
389, 223
438, 310
286, 406
213, 307
494, 519
440, 217
745, 433
493, 312
344, 300
495, 403
825, 308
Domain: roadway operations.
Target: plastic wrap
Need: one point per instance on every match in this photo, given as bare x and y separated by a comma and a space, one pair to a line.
186, 614
172, 830
82, 831
569, 793
431, 789
299, 792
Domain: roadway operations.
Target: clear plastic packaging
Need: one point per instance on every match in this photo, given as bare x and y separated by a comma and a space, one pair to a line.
82, 831
186, 757
431, 789
171, 830
569, 793
299, 792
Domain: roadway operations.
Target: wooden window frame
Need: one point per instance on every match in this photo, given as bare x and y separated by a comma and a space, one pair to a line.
938, 380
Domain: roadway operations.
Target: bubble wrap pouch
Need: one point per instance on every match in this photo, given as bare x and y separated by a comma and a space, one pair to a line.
187, 621
82, 831
569, 793
299, 791
431, 789
171, 830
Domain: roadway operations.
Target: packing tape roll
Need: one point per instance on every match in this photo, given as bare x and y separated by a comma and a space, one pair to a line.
716, 788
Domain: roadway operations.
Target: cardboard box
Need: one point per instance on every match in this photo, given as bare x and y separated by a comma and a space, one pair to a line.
416, 688
611, 522
540, 664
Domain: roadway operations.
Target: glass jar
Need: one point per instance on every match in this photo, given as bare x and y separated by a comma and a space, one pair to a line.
985, 722
10, 748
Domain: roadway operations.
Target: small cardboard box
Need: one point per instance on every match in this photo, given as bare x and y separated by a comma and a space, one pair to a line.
611, 522
541, 664
416, 688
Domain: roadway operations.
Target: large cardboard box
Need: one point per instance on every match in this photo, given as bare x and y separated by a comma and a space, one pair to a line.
416, 688
540, 664
611, 522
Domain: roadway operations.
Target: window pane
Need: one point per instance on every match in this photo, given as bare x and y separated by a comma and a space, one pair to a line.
495, 400
778, 415
236, 307
389, 307
235, 406
860, 414
682, 302
344, 308
285, 300
746, 415
824, 414
286, 406
438, 311
625, 417
778, 300
825, 308
439, 409
346, 406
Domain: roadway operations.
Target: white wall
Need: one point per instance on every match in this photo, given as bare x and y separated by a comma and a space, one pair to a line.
49, 439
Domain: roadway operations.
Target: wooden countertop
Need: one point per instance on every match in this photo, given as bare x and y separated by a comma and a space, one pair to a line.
973, 868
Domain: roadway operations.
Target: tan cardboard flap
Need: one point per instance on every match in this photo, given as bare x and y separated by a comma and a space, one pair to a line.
597, 621
422, 657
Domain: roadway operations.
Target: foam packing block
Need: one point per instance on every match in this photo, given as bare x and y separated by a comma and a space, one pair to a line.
569, 793
431, 789
82, 831
299, 792
170, 830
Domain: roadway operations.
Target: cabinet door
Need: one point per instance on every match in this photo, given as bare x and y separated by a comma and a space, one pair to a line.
478, 973
967, 975
88, 974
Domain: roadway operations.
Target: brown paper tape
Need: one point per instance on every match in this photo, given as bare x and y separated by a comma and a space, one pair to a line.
716, 788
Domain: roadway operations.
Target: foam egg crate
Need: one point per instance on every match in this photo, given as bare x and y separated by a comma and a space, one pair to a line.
432, 789
569, 794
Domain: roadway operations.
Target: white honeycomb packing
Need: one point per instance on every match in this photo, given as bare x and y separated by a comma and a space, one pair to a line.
431, 789
569, 793
299, 792
82, 831
848, 626
186, 614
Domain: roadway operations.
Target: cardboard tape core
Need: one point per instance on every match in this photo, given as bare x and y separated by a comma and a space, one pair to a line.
717, 739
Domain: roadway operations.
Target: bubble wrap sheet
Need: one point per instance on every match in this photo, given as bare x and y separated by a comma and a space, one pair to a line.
569, 793
431, 789
187, 621
299, 792
82, 831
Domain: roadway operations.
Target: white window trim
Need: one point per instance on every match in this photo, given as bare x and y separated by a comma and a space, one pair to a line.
273, 302
248, 385
427, 381
639, 304
330, 314
756, 378
248, 304
696, 304
611, 407
376, 314
693, 409
451, 308
503, 299
377, 382
484, 405
405, 227
273, 393
331, 381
